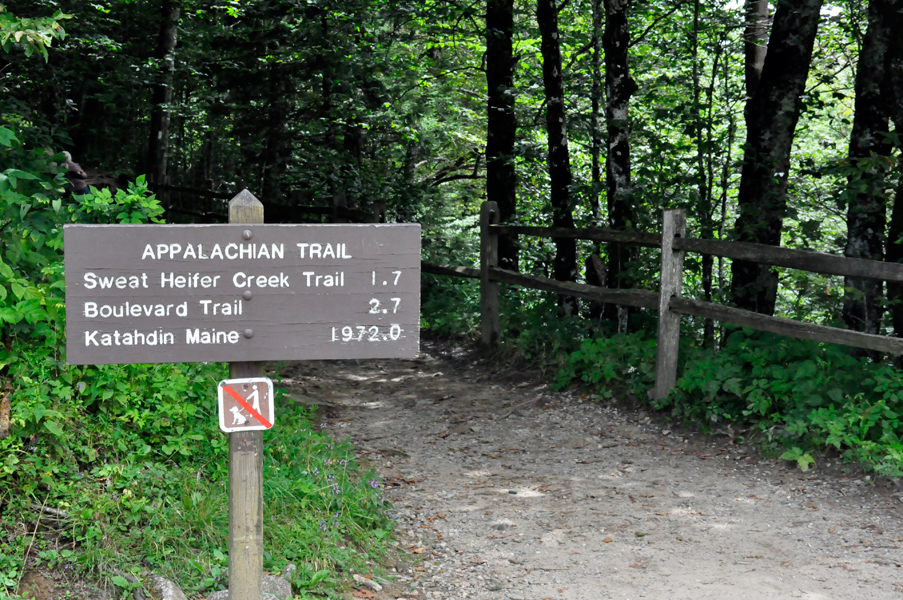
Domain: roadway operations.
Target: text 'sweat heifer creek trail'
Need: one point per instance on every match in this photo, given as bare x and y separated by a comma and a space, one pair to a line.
508, 491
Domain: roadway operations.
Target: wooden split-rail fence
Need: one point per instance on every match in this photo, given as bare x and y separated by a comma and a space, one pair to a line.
669, 302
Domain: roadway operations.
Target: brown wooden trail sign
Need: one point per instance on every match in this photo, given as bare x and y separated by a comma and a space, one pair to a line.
241, 292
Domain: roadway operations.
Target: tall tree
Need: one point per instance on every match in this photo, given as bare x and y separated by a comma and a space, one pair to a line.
894, 248
595, 103
565, 263
771, 117
869, 154
501, 180
158, 143
755, 43
619, 87
702, 129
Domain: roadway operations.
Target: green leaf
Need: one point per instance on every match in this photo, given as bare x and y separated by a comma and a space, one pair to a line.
120, 581
53, 428
9, 315
7, 137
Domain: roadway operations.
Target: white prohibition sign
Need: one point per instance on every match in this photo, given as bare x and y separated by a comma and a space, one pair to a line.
246, 404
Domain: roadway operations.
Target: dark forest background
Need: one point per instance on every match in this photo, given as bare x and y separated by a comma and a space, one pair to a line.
769, 123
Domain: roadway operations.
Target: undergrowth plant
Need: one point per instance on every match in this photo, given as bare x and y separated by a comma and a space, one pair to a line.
804, 397
122, 468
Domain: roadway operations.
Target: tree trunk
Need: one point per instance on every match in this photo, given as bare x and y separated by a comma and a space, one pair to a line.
755, 43
565, 264
619, 87
704, 213
596, 98
501, 179
894, 251
771, 117
158, 144
277, 149
870, 150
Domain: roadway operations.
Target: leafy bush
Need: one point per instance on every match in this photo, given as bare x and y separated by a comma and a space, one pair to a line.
805, 396
628, 359
124, 465
450, 306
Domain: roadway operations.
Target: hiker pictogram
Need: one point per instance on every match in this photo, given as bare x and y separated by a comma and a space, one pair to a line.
245, 404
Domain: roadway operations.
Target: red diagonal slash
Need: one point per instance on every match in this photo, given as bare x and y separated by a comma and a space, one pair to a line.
247, 407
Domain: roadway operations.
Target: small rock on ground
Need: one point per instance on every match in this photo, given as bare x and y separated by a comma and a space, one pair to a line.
164, 589
224, 595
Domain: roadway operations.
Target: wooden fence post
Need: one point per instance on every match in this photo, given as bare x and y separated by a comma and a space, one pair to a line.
246, 463
489, 289
674, 225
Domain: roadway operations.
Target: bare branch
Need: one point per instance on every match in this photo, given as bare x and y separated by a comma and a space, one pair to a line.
654, 23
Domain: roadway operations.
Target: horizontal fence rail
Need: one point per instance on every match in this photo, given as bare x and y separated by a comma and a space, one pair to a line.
788, 327
638, 298
434, 269
673, 305
804, 260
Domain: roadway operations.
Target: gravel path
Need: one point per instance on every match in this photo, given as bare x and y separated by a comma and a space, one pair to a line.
508, 491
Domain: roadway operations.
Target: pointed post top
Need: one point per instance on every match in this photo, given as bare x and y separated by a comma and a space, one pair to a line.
245, 208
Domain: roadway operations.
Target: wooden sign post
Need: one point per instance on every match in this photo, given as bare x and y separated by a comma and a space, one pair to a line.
246, 464
242, 293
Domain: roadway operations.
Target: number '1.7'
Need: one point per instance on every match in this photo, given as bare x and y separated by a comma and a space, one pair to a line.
363, 333
386, 282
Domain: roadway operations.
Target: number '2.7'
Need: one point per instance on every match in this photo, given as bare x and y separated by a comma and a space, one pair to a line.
375, 310
386, 281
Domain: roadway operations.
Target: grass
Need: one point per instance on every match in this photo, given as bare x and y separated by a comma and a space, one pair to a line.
129, 507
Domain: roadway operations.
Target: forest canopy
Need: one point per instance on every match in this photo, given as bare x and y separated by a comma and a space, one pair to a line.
755, 117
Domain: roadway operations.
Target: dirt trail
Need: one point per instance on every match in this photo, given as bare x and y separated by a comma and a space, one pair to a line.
508, 491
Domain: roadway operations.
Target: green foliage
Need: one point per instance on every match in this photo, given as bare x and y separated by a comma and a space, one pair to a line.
146, 486
132, 453
805, 396
628, 359
134, 205
450, 306
534, 329
30, 35
803, 459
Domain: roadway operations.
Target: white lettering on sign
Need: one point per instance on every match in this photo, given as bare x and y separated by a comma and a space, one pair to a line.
202, 336
274, 281
227, 252
221, 308
314, 280
189, 280
323, 250
121, 282
129, 309
135, 338
363, 333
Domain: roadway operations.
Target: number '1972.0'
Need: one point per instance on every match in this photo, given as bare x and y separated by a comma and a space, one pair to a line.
364, 333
